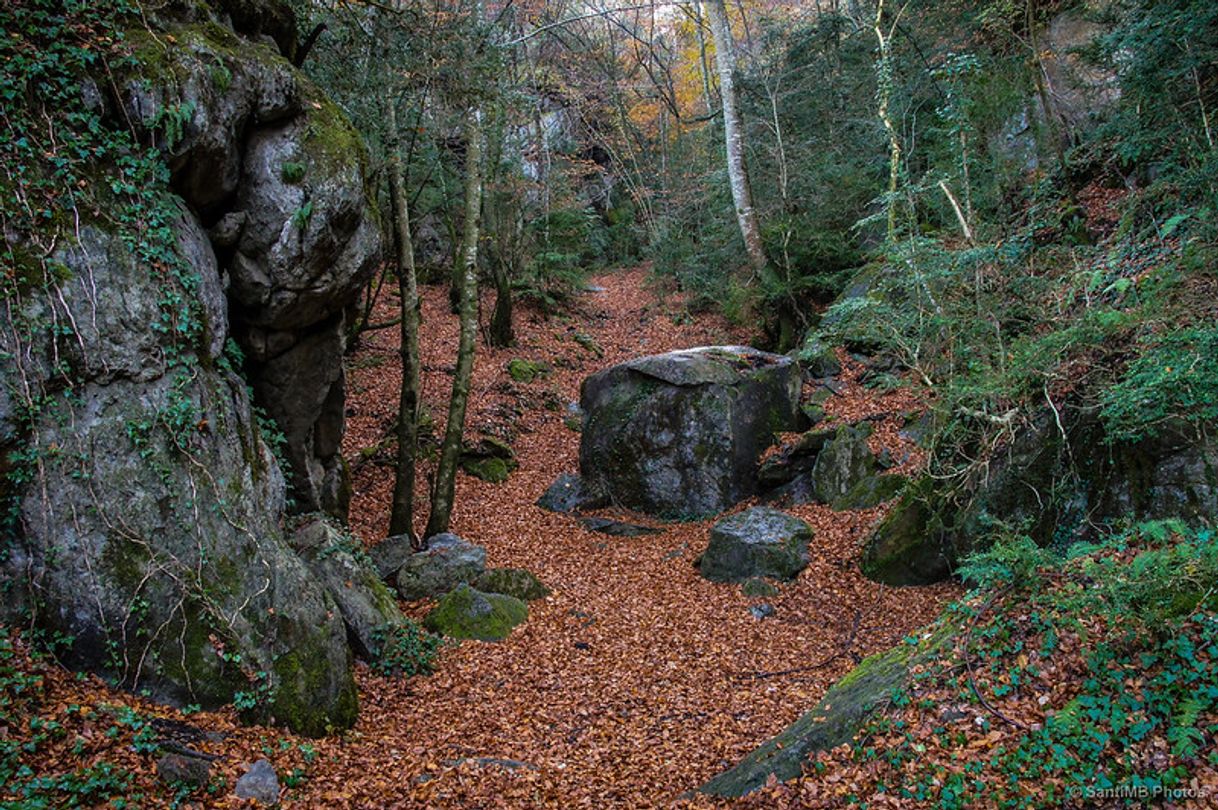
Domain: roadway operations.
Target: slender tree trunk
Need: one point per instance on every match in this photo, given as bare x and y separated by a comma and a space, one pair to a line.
884, 80
450, 451
401, 520
733, 134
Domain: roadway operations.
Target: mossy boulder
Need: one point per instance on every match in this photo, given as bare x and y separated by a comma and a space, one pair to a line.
489, 459
758, 587
342, 566
833, 722
515, 582
758, 542
907, 547
871, 491
678, 435
465, 613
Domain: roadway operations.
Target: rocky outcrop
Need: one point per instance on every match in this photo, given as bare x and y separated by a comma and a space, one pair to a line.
758, 542
279, 177
345, 570
833, 722
679, 434
1056, 485
147, 506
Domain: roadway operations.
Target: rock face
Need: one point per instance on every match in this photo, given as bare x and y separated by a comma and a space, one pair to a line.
150, 519
447, 562
679, 434
280, 175
1058, 488
345, 570
759, 542
467, 613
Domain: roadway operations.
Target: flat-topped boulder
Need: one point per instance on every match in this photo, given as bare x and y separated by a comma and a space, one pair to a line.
758, 542
679, 434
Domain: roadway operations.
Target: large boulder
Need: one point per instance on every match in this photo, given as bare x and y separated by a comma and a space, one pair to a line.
447, 562
758, 542
281, 178
465, 613
515, 582
678, 435
143, 504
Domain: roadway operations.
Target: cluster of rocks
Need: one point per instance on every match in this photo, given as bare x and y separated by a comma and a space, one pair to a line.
474, 602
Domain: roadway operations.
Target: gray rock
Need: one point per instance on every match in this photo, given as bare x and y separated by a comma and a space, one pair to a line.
1057, 489
832, 722
447, 562
182, 769
871, 491
345, 570
182, 519
389, 555
679, 434
793, 461
759, 542
617, 528
844, 462
762, 611
569, 493
260, 784
818, 359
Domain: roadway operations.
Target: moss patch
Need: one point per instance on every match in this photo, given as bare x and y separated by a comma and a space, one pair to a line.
467, 613
512, 582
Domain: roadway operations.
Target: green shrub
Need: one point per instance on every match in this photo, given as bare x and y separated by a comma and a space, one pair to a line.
406, 650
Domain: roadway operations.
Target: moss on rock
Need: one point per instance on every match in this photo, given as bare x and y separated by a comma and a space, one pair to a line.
515, 582
467, 613
833, 722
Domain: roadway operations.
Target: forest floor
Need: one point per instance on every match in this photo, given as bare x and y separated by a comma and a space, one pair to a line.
636, 679
633, 682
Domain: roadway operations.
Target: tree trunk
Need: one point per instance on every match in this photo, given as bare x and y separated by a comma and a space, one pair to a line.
733, 134
450, 451
401, 520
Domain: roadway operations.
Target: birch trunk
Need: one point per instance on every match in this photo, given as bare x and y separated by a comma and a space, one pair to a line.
733, 134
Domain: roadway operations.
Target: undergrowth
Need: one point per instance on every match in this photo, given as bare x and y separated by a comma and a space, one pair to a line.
1078, 678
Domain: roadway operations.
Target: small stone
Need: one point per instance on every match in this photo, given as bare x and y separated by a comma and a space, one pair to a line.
570, 493
259, 783
389, 555
762, 611
183, 769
